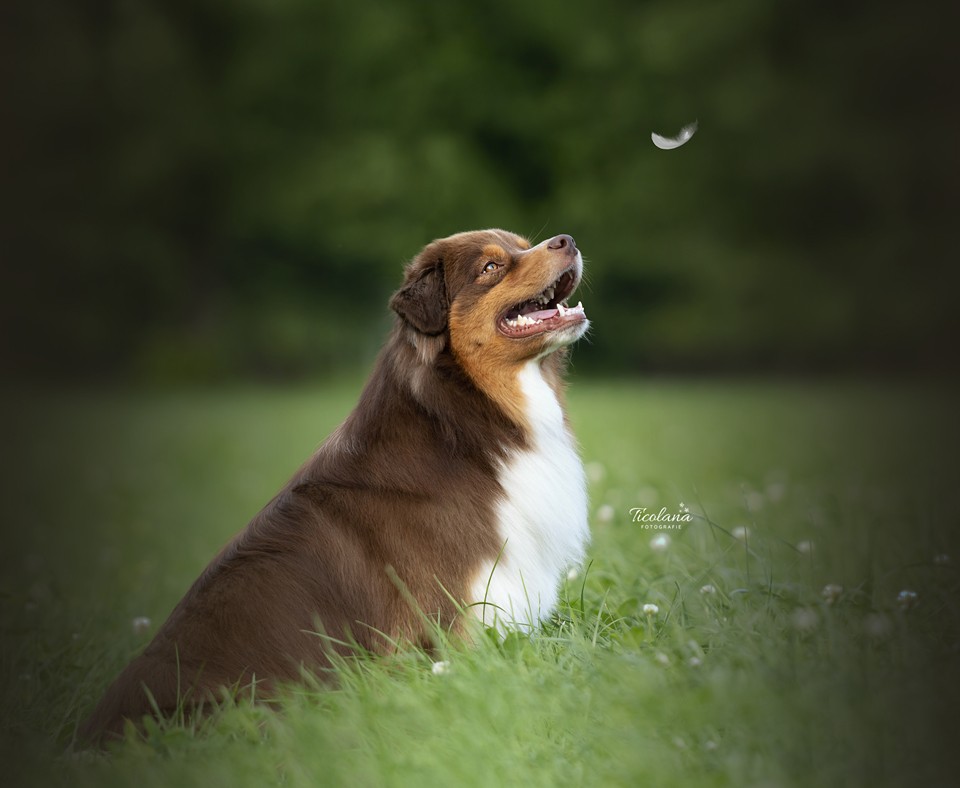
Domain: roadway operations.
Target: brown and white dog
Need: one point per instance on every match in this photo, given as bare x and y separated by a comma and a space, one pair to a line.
455, 478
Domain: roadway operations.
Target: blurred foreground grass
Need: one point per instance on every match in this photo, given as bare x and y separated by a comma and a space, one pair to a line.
115, 501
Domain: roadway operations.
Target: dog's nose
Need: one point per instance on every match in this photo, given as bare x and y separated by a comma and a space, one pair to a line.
565, 242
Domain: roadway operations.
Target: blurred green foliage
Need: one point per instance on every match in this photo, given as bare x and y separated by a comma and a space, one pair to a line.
199, 189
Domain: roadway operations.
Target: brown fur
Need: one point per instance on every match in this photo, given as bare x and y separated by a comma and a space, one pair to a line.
408, 481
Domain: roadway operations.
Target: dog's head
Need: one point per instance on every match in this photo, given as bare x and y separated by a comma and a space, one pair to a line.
496, 300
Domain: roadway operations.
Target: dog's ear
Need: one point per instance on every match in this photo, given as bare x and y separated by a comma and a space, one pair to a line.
422, 301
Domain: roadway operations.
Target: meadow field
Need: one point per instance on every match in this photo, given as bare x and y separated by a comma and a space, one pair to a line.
780, 651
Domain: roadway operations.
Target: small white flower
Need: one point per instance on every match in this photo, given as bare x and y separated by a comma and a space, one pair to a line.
710, 745
907, 599
648, 496
805, 619
877, 626
141, 625
831, 593
695, 662
605, 513
662, 658
679, 743
595, 472
660, 543
741, 532
573, 574
756, 500
439, 668
775, 491
805, 547
650, 610
708, 589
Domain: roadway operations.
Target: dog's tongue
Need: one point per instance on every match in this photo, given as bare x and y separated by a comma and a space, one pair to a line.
542, 315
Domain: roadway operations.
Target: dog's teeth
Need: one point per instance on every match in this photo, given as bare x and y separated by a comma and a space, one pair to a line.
560, 310
546, 296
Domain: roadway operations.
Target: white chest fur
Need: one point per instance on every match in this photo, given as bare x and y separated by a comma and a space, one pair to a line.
542, 518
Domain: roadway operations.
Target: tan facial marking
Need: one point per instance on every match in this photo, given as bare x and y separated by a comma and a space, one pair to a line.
495, 252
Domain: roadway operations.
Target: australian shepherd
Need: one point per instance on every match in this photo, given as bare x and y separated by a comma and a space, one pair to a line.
453, 492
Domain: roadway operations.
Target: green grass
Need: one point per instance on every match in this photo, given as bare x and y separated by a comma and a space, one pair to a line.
115, 501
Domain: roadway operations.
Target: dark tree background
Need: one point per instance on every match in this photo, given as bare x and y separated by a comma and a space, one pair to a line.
205, 189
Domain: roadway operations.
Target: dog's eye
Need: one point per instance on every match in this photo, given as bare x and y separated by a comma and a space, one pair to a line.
490, 267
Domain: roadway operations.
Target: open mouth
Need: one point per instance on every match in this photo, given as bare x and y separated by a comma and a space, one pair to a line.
546, 311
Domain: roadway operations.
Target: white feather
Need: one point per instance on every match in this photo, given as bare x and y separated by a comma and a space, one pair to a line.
665, 143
